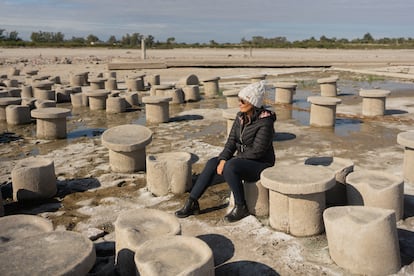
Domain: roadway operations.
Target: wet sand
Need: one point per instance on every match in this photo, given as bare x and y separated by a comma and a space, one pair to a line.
90, 196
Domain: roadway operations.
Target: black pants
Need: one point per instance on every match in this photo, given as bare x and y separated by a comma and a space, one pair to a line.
235, 170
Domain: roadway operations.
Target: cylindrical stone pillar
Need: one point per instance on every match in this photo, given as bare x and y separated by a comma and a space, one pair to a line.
151, 257
154, 80
376, 189
127, 151
18, 114
115, 105
169, 172
157, 109
284, 92
134, 227
328, 86
34, 178
323, 111
232, 98
373, 102
191, 93
363, 240
211, 87
230, 115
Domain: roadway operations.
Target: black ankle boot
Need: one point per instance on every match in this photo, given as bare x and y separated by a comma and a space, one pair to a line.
190, 207
238, 212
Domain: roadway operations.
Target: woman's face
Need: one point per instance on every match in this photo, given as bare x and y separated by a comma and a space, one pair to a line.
245, 106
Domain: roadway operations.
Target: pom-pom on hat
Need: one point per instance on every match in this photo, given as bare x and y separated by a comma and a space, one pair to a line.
254, 93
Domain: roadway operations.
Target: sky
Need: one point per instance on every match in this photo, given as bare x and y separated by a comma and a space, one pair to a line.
192, 21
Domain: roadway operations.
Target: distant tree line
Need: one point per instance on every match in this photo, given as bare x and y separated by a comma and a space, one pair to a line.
52, 39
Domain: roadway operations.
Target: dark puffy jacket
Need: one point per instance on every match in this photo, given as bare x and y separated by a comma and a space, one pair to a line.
252, 139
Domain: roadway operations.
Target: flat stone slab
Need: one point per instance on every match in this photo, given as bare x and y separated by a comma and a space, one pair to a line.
374, 93
286, 85
97, 93
50, 113
10, 100
163, 87
144, 224
298, 179
327, 80
16, 227
321, 100
177, 255
52, 253
406, 139
43, 84
155, 99
376, 180
211, 79
340, 166
126, 138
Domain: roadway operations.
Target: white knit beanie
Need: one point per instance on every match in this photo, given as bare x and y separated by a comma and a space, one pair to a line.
254, 93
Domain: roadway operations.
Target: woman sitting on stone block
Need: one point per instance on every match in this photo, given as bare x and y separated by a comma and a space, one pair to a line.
247, 152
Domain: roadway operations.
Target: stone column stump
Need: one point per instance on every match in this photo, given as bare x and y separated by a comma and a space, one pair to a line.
4, 102
230, 115
169, 172
63, 94
134, 84
373, 101
134, 227
115, 105
50, 122
44, 103
56, 253
232, 98
27, 91
376, 189
188, 80
341, 167
192, 256
77, 99
97, 83
154, 80
257, 198
323, 111
34, 178
42, 90
157, 109
131, 98
406, 139
97, 99
30, 102
126, 144
363, 239
328, 86
111, 84
211, 87
161, 90
284, 92
191, 93
77, 79
18, 114
297, 197
16, 227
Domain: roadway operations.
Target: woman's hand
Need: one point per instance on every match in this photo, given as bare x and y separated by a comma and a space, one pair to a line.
220, 167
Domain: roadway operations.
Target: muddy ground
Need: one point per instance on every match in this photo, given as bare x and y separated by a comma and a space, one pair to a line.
90, 196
